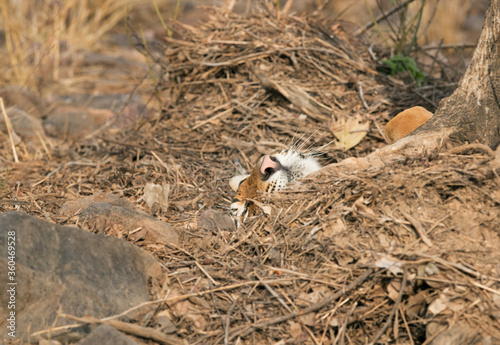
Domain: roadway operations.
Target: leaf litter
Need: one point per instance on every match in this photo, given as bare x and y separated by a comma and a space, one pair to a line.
338, 259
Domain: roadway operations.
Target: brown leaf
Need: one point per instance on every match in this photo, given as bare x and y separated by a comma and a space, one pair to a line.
350, 131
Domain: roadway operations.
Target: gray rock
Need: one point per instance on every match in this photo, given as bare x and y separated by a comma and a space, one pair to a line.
106, 335
127, 223
74, 122
25, 125
113, 102
73, 207
213, 220
75, 116
66, 268
15, 95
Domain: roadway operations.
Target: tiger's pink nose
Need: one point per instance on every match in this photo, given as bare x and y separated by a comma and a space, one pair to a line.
269, 165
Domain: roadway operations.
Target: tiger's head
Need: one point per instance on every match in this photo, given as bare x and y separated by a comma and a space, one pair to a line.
271, 173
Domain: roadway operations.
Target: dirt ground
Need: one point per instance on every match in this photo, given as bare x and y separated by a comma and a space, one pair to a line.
408, 254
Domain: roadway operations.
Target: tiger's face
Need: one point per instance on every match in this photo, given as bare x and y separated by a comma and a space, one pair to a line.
271, 173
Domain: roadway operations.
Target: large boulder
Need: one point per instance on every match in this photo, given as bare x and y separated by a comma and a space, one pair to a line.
67, 269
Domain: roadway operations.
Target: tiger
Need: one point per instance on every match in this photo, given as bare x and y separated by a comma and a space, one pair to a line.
273, 172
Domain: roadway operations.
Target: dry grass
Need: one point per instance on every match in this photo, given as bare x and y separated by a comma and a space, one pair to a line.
41, 37
441, 21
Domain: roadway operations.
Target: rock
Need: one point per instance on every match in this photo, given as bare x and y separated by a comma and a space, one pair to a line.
58, 267
213, 220
15, 95
117, 65
71, 208
130, 108
106, 335
75, 116
24, 125
75, 122
120, 222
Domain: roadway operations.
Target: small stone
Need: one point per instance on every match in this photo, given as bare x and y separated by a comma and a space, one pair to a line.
127, 223
213, 220
23, 124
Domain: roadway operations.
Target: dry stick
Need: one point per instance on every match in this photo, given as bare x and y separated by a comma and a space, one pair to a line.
381, 17
459, 267
286, 8
262, 324
215, 301
44, 145
129, 328
228, 323
419, 227
204, 271
446, 46
159, 159
169, 299
393, 311
410, 336
275, 294
361, 95
465, 147
197, 294
8, 124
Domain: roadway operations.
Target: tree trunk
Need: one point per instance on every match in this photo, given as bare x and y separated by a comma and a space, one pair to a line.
472, 112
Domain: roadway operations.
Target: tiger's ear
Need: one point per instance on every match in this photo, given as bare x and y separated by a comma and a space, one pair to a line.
235, 181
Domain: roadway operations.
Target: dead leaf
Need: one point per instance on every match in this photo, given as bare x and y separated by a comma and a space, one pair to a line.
309, 319
295, 329
439, 305
332, 229
350, 131
189, 311
390, 263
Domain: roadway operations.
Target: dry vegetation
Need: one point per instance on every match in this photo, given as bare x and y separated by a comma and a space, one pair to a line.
389, 256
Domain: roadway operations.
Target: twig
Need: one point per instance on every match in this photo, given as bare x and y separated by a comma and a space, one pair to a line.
388, 322
228, 323
8, 124
410, 336
446, 46
223, 113
459, 267
286, 8
212, 280
211, 286
263, 324
419, 227
360, 85
275, 294
129, 328
381, 17
160, 160
198, 294
479, 146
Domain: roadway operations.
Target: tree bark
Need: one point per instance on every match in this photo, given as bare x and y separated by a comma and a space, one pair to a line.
472, 112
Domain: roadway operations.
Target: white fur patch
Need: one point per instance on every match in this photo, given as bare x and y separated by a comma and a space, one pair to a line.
235, 181
295, 166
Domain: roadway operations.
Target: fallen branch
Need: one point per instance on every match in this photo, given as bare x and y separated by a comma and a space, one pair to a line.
132, 329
